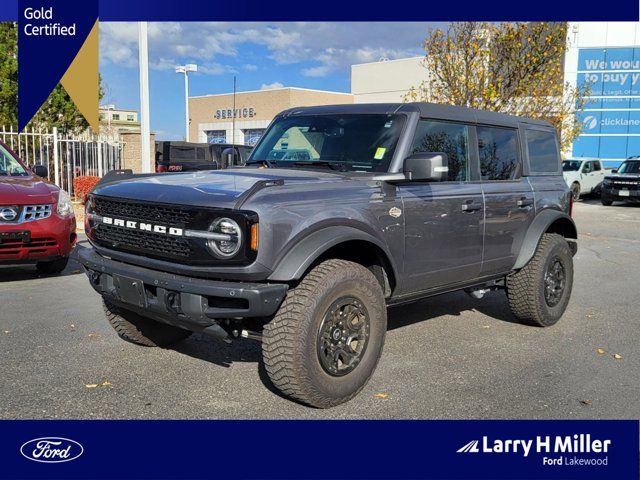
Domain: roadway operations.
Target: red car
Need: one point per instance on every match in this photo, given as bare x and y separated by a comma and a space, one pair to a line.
37, 223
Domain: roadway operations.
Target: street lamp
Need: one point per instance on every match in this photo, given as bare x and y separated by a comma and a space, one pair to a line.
189, 67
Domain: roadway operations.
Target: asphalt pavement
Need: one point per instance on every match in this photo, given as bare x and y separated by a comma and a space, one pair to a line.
445, 357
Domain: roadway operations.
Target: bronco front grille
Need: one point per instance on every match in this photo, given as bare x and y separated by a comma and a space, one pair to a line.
159, 245
127, 236
170, 215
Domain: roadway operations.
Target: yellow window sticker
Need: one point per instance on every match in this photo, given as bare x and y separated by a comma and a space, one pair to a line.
380, 153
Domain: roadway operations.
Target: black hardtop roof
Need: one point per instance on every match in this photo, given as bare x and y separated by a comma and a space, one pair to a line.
426, 110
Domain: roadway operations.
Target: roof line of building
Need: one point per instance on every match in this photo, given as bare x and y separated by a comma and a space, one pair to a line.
387, 61
270, 90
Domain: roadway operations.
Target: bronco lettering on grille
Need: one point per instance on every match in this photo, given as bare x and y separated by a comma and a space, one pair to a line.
147, 227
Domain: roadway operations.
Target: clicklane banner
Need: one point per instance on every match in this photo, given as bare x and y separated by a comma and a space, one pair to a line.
57, 43
318, 450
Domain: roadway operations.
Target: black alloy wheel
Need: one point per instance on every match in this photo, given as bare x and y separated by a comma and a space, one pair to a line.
343, 336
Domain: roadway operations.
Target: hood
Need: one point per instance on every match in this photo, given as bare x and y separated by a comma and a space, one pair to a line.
217, 188
25, 191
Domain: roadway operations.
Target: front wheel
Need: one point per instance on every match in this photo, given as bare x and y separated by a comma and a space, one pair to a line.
539, 292
575, 191
325, 341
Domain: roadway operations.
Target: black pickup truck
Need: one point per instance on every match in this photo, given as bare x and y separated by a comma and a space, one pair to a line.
390, 203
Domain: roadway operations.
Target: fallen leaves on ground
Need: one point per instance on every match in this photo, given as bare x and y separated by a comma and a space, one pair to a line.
104, 383
617, 356
91, 385
600, 351
586, 402
92, 334
381, 395
7, 332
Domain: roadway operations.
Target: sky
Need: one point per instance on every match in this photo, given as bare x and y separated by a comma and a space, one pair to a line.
260, 55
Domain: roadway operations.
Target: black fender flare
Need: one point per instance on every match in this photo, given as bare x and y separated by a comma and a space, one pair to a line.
538, 227
300, 257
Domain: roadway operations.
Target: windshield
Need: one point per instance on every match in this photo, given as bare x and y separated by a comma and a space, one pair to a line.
571, 165
629, 167
343, 142
9, 165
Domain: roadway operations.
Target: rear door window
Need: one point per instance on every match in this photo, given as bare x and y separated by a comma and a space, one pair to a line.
499, 153
542, 148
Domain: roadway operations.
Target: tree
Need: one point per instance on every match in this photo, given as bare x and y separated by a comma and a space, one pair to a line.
57, 111
515, 68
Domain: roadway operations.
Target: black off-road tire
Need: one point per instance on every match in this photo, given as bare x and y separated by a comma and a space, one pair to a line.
140, 330
575, 191
526, 287
290, 340
606, 201
54, 266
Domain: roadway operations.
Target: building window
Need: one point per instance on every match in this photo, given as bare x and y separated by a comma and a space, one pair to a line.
216, 136
130, 118
252, 135
115, 116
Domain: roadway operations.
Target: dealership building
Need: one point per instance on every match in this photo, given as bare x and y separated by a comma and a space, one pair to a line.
214, 119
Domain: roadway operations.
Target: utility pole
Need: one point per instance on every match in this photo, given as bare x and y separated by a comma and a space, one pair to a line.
145, 132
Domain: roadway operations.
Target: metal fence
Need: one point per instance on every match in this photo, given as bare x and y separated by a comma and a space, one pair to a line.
66, 157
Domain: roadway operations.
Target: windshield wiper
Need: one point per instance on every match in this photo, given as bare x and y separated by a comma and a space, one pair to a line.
332, 165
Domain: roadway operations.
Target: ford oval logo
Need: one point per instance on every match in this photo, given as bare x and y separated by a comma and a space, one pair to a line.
51, 450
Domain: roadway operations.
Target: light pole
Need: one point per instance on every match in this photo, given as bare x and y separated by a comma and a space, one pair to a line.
143, 65
185, 69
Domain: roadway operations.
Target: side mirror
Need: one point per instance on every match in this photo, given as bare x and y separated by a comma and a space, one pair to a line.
426, 167
40, 170
615, 170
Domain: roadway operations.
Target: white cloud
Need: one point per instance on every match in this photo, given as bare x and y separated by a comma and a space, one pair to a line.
320, 47
271, 86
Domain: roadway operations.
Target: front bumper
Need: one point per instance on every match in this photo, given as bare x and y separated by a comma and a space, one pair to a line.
612, 193
191, 303
49, 238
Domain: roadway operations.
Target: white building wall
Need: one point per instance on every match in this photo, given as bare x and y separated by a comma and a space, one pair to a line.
387, 80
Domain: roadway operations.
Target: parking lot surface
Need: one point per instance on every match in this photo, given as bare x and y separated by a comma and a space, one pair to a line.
445, 357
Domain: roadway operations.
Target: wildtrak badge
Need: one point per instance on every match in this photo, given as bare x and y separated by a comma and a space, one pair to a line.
142, 226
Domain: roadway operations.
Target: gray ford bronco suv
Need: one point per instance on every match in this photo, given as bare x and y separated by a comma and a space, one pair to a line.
390, 203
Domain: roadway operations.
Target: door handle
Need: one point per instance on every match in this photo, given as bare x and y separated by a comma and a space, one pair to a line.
470, 206
525, 202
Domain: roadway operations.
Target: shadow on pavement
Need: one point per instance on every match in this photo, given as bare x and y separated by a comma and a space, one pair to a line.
24, 272
216, 351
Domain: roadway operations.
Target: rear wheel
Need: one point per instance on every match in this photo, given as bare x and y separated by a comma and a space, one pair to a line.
141, 330
325, 341
54, 266
575, 191
539, 292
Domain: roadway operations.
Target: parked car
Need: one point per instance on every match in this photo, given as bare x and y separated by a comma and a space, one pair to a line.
189, 156
37, 223
623, 184
397, 202
583, 176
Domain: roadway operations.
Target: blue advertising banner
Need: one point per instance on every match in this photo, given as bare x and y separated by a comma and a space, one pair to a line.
315, 449
610, 120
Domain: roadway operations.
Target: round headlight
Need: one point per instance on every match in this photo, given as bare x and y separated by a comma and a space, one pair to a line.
229, 238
